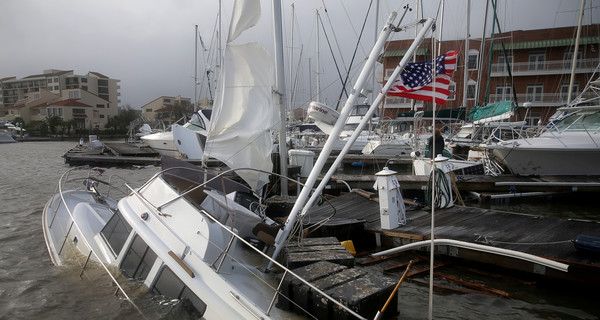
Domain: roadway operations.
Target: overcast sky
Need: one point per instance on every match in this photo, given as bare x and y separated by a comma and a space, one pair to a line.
149, 44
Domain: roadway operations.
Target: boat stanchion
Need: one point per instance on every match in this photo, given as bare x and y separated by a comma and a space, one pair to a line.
85, 264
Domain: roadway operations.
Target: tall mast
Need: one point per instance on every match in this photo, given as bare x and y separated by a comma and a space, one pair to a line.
196, 70
466, 62
575, 51
318, 67
280, 81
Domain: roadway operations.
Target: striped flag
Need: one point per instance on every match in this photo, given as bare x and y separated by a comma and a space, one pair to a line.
416, 79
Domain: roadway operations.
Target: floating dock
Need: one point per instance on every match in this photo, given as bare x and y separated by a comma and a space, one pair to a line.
356, 216
487, 183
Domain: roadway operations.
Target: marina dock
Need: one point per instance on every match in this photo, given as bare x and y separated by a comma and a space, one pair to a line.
356, 218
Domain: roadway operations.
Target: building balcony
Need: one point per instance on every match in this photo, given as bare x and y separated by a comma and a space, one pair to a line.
544, 68
541, 100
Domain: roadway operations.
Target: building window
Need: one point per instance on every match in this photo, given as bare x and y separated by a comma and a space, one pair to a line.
43, 111
50, 80
36, 96
564, 92
60, 112
473, 59
99, 106
83, 80
534, 118
452, 89
103, 82
388, 74
503, 60
534, 92
537, 60
73, 94
167, 100
503, 93
101, 116
78, 111
148, 110
55, 87
471, 91
568, 59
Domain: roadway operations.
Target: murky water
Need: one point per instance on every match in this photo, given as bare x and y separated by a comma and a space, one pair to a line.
31, 287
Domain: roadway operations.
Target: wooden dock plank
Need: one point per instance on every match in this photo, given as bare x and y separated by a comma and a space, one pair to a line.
534, 234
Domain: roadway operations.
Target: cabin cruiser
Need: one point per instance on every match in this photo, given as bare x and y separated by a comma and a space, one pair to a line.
190, 138
570, 146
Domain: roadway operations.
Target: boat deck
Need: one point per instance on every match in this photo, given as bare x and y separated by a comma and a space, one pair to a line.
541, 236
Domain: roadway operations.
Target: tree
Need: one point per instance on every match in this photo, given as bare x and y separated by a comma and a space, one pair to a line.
121, 121
53, 122
175, 112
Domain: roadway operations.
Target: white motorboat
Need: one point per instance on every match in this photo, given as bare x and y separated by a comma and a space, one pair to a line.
190, 138
5, 137
568, 147
162, 142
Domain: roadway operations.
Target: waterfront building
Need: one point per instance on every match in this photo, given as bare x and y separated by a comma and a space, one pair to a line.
163, 107
535, 65
88, 99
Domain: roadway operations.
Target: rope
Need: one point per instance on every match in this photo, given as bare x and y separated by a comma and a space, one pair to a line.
458, 198
442, 189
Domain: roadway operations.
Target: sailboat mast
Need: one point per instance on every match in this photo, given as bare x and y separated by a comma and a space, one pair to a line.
280, 81
318, 67
466, 62
575, 51
196, 69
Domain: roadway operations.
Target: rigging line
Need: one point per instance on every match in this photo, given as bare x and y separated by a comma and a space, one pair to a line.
335, 62
354, 54
333, 31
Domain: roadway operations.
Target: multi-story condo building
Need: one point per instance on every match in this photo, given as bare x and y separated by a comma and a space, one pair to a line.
88, 99
531, 68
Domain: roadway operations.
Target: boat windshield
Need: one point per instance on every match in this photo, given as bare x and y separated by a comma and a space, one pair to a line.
195, 124
580, 121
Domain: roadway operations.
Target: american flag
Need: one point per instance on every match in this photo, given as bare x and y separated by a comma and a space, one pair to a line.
415, 80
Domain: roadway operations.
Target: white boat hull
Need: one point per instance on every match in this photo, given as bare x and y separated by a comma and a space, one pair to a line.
162, 142
188, 142
539, 161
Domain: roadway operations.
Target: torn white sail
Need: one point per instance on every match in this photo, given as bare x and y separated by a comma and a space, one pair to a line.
244, 113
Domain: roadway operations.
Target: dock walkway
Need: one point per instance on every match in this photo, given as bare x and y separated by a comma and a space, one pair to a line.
533, 234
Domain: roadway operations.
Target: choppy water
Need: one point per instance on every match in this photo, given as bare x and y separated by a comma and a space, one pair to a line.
31, 287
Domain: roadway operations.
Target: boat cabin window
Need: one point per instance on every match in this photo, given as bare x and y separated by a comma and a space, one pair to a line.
139, 260
116, 232
169, 285
579, 122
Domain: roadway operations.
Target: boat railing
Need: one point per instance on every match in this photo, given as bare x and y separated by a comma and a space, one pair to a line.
225, 252
286, 272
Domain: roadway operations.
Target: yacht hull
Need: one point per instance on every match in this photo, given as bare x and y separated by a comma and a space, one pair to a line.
538, 161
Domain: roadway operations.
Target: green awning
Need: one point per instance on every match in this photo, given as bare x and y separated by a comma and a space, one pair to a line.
545, 43
401, 53
490, 111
